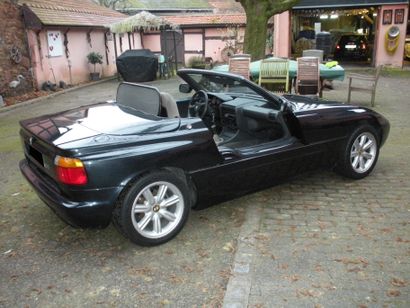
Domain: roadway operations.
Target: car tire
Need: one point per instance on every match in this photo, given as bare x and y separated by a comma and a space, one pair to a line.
154, 209
359, 154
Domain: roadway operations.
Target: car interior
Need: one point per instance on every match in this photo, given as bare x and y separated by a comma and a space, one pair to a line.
239, 123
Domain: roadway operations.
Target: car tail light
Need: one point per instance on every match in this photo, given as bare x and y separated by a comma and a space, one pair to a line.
70, 171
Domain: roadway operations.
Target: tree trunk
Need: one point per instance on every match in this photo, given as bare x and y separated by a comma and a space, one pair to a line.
255, 33
258, 13
257, 16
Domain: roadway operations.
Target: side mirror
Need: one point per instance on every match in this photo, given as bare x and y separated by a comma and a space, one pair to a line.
184, 88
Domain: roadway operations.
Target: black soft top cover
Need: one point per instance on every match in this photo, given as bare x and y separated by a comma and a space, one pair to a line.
137, 65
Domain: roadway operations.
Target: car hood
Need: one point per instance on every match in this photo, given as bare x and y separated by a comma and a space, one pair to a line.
94, 120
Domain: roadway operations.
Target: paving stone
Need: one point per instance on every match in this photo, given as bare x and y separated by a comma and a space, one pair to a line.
327, 241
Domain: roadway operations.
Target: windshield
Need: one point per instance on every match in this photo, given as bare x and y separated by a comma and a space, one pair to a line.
221, 84
225, 83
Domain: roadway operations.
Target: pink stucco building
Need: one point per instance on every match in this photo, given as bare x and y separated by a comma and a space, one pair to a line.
209, 36
383, 56
61, 34
208, 31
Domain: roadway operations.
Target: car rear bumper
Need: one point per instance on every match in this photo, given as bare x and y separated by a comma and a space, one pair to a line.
95, 213
352, 54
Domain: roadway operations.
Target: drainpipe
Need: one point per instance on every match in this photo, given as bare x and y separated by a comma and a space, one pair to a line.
69, 70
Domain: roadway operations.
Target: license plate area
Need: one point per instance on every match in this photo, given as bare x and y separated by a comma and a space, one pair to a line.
352, 46
36, 155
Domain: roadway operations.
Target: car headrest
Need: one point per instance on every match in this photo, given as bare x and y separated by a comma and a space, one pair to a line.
139, 97
170, 105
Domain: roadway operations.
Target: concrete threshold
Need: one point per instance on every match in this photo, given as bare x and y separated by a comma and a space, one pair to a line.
240, 282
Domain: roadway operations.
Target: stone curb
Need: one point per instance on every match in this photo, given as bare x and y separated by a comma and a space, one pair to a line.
39, 99
240, 282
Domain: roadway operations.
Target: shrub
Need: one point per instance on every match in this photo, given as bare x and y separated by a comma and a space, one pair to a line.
94, 58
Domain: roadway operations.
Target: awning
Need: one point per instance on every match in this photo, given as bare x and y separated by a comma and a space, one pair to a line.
311, 4
141, 21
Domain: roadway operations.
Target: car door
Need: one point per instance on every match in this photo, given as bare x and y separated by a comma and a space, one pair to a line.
254, 168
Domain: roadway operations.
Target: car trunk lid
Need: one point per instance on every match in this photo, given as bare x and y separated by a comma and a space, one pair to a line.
91, 121
47, 136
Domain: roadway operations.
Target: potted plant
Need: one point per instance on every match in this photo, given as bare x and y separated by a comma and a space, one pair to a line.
94, 58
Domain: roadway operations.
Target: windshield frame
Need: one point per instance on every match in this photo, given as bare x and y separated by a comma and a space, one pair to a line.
271, 98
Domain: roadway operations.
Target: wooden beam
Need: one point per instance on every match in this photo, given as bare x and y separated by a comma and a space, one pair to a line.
116, 54
199, 52
203, 42
31, 20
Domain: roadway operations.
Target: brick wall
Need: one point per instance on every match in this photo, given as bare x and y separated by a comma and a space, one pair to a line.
12, 36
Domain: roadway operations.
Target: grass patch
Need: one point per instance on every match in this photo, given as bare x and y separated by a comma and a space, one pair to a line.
11, 145
395, 72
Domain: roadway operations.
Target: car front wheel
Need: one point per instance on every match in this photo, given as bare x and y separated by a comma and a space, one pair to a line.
360, 154
154, 209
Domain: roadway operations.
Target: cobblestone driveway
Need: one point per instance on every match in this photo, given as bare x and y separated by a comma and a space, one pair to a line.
45, 263
317, 241
325, 241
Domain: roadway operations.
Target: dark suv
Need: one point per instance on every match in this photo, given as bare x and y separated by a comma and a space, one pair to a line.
352, 46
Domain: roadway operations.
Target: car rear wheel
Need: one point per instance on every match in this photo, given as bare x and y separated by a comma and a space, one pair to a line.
360, 154
154, 209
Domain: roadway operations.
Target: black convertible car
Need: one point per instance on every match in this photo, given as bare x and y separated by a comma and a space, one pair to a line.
145, 160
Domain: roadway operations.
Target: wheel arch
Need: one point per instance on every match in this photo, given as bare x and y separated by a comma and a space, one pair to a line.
372, 122
343, 165
179, 172
124, 216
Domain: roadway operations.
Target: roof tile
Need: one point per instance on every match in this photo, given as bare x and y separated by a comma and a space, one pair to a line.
72, 13
168, 4
226, 19
231, 6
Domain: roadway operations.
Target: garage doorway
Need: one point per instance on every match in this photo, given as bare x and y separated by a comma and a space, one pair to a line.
352, 33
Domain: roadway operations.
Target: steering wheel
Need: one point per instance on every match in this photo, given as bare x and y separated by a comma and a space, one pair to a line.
198, 106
